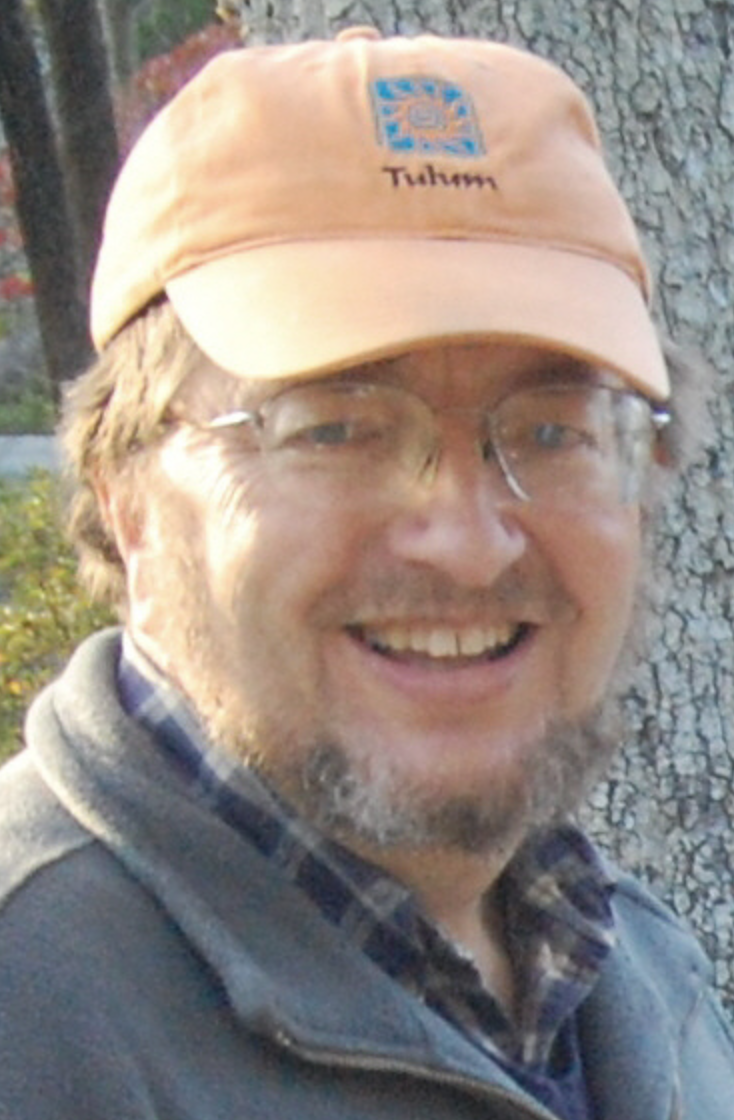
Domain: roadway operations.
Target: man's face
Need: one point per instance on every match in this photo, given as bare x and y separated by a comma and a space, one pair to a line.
406, 665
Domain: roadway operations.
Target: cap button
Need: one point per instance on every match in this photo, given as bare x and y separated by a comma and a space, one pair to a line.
365, 32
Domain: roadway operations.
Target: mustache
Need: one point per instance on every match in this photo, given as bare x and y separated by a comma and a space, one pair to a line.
430, 594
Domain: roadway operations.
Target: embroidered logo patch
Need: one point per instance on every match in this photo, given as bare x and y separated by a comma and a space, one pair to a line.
425, 116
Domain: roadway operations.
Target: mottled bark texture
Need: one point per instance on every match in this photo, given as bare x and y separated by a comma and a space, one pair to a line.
660, 75
85, 117
118, 20
40, 198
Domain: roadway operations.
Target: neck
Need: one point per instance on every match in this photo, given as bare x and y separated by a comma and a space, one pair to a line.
458, 892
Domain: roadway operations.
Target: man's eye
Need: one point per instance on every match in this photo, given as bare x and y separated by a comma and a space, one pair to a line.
552, 436
336, 434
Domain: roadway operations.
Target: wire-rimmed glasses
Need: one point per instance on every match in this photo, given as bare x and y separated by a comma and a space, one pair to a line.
571, 439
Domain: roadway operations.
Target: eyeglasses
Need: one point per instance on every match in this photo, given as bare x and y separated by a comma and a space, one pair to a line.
578, 440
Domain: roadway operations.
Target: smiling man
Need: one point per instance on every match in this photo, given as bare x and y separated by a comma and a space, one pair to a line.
365, 462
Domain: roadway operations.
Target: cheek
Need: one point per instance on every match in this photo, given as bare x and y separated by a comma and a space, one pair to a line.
610, 579
278, 556
596, 558
215, 516
611, 571
307, 529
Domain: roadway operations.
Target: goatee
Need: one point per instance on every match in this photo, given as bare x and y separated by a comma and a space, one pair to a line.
372, 804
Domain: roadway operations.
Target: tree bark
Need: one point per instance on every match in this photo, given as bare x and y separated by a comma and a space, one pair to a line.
660, 75
85, 116
119, 21
40, 199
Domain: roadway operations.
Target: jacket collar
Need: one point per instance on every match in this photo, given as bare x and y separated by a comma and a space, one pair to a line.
284, 968
633, 1023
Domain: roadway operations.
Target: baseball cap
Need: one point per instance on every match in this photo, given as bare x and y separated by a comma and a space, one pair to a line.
311, 206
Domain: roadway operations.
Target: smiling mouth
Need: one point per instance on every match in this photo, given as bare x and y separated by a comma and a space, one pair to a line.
444, 646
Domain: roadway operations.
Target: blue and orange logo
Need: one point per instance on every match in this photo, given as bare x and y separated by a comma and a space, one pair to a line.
425, 116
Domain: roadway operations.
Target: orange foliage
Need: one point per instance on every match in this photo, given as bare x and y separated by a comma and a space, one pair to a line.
160, 77
14, 282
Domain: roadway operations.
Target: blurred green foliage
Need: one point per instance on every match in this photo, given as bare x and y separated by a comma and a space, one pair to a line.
27, 408
43, 613
163, 24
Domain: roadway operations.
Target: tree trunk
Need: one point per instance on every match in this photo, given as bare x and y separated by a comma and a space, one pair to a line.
40, 200
119, 21
86, 122
660, 75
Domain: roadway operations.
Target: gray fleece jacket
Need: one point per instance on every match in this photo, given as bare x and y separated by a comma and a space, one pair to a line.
154, 967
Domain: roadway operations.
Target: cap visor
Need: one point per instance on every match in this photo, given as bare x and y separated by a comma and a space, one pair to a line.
308, 307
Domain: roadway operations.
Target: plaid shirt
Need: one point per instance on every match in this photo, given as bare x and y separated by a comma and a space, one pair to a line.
557, 899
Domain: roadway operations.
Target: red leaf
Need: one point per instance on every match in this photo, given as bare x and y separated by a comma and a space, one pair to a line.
15, 287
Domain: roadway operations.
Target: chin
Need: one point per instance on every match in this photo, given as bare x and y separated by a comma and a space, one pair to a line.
376, 805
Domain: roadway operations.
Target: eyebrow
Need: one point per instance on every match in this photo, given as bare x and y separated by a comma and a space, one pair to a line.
550, 367
246, 395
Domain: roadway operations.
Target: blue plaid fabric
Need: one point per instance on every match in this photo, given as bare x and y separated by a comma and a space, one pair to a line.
556, 893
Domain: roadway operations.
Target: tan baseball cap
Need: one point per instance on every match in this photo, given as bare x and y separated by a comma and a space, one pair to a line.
310, 206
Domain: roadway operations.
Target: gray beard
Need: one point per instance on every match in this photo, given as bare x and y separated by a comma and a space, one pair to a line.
357, 796
355, 793
377, 809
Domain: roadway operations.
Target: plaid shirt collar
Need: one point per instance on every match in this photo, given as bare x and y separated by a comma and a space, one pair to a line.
556, 892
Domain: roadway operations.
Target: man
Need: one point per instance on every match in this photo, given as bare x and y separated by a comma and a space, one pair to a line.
365, 463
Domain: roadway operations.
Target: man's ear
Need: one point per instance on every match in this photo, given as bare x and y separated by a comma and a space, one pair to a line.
121, 511
663, 453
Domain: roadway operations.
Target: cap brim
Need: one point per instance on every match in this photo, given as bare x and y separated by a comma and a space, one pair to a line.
307, 307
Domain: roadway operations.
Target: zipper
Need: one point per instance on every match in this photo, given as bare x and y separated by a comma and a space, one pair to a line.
380, 1064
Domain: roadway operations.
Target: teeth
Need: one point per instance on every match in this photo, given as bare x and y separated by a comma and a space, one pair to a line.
442, 641
473, 642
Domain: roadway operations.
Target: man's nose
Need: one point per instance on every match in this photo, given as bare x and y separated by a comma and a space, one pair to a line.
462, 521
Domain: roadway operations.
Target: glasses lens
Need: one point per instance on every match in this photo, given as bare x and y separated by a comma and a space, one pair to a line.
555, 443
349, 428
590, 442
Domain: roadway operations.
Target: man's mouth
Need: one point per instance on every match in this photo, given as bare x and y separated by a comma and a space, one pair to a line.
442, 644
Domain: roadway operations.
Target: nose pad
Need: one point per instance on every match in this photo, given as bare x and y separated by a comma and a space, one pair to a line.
462, 519
492, 454
428, 468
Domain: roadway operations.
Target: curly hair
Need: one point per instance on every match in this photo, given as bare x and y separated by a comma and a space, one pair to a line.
110, 414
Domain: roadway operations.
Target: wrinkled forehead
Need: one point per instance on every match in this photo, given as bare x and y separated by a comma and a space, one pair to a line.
489, 368
485, 369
